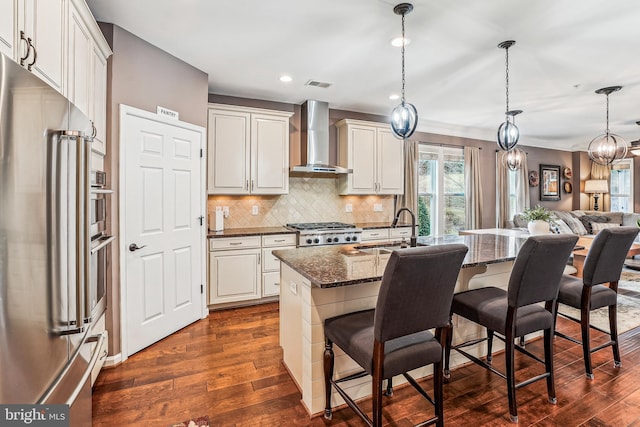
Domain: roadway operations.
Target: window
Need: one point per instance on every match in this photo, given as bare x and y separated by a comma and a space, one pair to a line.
441, 199
621, 186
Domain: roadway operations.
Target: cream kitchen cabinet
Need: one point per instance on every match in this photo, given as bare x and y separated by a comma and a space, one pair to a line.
234, 269
88, 53
38, 37
375, 235
248, 150
7, 27
374, 154
271, 264
244, 268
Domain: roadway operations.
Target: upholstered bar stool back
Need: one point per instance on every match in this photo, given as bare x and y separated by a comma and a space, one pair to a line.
515, 312
415, 296
598, 288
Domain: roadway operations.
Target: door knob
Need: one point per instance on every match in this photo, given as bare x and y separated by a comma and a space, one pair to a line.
133, 247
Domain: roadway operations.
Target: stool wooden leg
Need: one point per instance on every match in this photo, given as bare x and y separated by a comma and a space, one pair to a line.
613, 327
328, 374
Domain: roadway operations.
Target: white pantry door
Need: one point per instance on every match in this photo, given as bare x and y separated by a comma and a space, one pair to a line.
162, 209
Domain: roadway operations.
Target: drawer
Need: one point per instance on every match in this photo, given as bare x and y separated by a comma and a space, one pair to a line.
270, 262
225, 243
279, 240
375, 234
271, 284
400, 232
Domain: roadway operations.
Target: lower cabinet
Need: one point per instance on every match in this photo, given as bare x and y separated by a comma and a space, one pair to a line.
244, 269
234, 275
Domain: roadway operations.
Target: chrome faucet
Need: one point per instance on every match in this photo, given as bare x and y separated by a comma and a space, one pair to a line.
413, 242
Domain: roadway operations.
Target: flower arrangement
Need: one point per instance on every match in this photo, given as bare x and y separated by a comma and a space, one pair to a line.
538, 213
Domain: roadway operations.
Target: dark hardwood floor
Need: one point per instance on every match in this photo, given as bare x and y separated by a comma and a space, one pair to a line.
229, 368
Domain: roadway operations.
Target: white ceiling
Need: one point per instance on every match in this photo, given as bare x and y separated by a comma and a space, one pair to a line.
564, 51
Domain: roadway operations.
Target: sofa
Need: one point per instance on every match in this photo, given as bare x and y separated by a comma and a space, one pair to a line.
582, 223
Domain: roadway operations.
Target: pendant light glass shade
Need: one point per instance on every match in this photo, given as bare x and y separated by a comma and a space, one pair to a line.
508, 135
508, 132
607, 148
513, 159
404, 118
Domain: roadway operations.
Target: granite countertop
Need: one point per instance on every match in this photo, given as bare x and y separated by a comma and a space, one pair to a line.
341, 265
256, 231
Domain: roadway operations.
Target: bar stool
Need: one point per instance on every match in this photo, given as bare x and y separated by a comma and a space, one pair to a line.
415, 296
515, 312
603, 265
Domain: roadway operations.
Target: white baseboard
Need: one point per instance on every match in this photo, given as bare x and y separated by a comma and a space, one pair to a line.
112, 361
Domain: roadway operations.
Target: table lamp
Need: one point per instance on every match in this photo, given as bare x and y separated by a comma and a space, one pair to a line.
596, 187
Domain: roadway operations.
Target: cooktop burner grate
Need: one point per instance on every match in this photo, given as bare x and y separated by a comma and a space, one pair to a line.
320, 226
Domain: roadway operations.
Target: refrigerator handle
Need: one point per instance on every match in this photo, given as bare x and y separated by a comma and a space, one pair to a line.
86, 144
81, 201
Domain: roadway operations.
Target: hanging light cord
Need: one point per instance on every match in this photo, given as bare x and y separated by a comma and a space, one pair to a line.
607, 129
402, 50
507, 75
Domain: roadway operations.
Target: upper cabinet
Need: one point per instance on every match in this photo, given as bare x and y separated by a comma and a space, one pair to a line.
8, 15
248, 150
32, 32
60, 42
88, 53
375, 155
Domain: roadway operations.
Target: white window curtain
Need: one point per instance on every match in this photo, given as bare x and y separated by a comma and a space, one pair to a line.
472, 188
512, 190
410, 197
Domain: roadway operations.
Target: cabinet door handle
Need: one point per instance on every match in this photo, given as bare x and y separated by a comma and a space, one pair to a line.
278, 240
235, 243
26, 55
35, 54
251, 185
94, 130
246, 185
259, 258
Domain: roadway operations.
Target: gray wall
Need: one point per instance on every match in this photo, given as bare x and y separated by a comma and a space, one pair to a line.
142, 76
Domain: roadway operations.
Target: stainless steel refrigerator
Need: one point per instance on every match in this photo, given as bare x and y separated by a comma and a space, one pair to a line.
45, 311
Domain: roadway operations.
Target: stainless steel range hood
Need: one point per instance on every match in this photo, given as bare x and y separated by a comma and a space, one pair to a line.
314, 137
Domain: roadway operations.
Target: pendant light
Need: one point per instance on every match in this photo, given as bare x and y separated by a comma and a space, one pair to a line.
508, 132
607, 148
404, 118
514, 159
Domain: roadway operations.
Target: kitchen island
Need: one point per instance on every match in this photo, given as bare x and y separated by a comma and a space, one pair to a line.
321, 282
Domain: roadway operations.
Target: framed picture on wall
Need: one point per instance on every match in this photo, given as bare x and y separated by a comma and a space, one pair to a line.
549, 182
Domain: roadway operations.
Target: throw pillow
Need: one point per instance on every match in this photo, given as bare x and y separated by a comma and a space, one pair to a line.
588, 220
599, 226
519, 221
574, 223
576, 226
561, 226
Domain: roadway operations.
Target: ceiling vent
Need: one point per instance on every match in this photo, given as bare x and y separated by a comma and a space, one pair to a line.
316, 83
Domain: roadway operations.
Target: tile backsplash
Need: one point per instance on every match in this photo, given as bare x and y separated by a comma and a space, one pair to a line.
309, 200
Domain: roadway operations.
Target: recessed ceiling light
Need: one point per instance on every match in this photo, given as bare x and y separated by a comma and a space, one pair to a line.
397, 42
394, 96
285, 78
